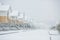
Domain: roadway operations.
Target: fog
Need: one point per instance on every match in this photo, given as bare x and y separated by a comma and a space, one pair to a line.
39, 11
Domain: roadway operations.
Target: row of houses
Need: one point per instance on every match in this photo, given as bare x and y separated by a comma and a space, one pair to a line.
12, 19
9, 15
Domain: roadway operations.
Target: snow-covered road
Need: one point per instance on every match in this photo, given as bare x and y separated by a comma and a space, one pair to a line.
27, 35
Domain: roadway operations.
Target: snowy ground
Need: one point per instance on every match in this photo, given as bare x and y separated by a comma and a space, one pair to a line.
26, 35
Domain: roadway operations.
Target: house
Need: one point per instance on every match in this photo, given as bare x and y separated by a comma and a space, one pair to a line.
13, 15
16, 17
4, 12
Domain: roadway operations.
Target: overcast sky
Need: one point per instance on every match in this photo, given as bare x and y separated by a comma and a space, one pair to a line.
45, 11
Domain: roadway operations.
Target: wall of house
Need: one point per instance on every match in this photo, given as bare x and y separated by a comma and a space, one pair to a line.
3, 19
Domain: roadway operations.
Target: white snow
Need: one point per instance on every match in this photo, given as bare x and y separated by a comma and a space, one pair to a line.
14, 13
27, 35
20, 16
7, 32
54, 32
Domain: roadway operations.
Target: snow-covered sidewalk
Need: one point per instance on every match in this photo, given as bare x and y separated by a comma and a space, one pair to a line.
8, 32
27, 35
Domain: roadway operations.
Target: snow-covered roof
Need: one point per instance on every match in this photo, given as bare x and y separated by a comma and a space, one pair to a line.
14, 13
21, 15
4, 7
